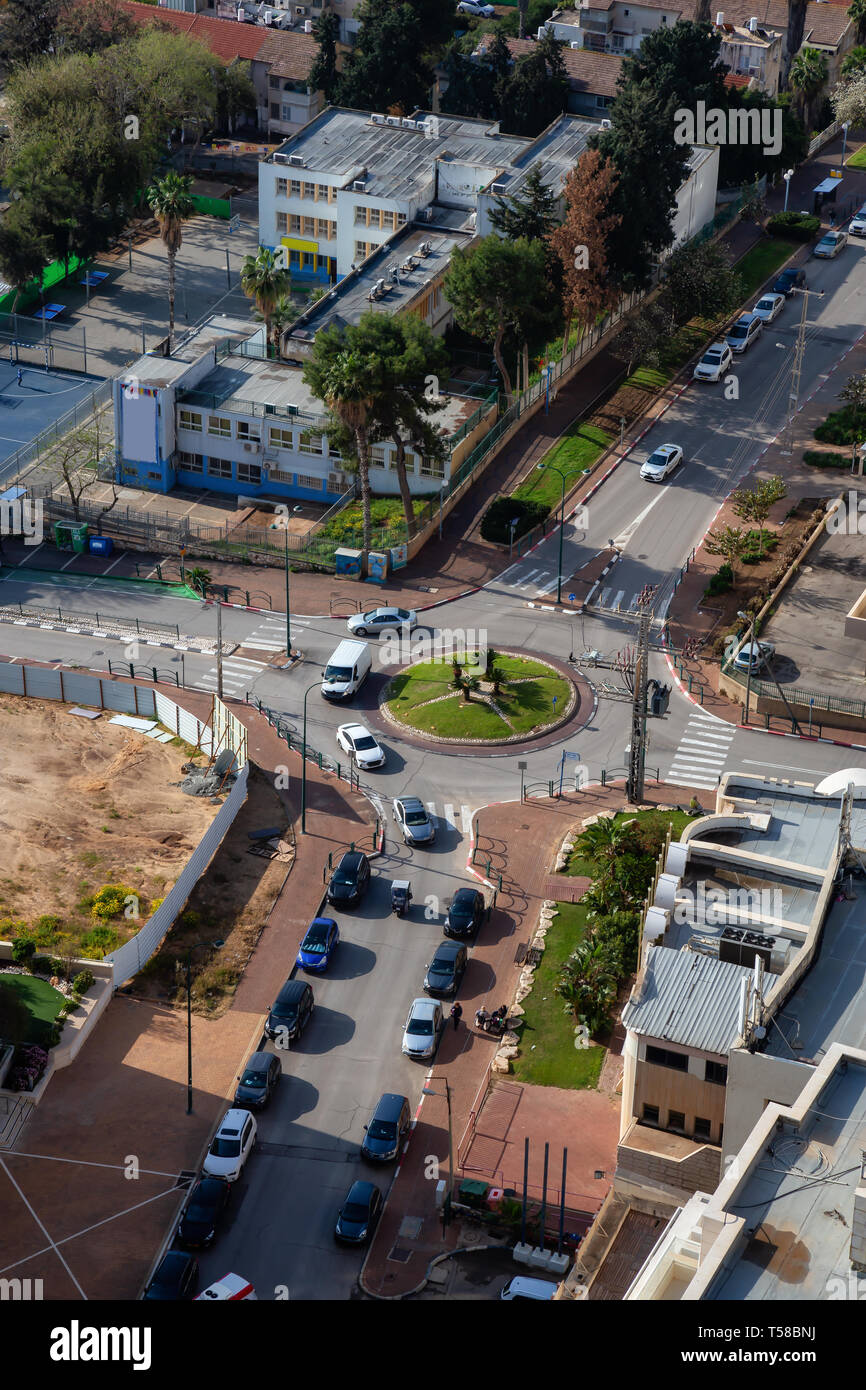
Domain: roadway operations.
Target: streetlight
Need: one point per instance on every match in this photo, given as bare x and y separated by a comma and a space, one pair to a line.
845, 125
295, 511
217, 943
442, 492
553, 469
512, 523
548, 370
446, 1205
521, 768
750, 619
787, 176
314, 686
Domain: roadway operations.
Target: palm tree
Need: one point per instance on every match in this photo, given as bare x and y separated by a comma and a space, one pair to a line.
266, 280
349, 391
200, 579
467, 685
284, 313
171, 204
605, 840
808, 75
497, 679
857, 11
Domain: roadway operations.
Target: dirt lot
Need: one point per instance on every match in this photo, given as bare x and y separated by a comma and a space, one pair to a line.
86, 803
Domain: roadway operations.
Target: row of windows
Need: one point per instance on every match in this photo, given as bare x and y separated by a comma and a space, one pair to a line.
299, 188
308, 442
284, 112
383, 218
717, 1072
321, 227
701, 1128
363, 249
251, 473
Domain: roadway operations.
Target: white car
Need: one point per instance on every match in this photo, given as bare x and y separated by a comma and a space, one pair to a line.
755, 655
423, 1029
231, 1146
379, 619
744, 332
360, 744
769, 307
857, 225
475, 7
661, 463
830, 245
716, 360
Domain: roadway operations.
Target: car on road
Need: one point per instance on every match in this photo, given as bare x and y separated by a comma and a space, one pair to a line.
476, 7
380, 619
357, 1217
446, 969
661, 463
714, 362
350, 880
423, 1029
465, 913
744, 332
258, 1081
384, 1134
229, 1288
359, 743
769, 307
175, 1279
791, 279
857, 225
830, 245
755, 656
203, 1213
417, 826
231, 1146
291, 1011
319, 944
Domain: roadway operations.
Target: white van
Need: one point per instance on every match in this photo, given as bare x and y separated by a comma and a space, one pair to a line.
347, 669
522, 1286
230, 1288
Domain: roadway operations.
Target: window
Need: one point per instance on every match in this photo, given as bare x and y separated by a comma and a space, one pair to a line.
275, 110
294, 223
219, 468
193, 463
310, 442
377, 453
307, 480
664, 19
287, 113
308, 190
388, 220
334, 452
432, 468
275, 82
676, 1119
702, 1128
650, 1115
660, 1057
295, 188
716, 1072
325, 229
249, 433
363, 249
219, 425
189, 420
322, 191
156, 476
282, 223
401, 219
249, 473
309, 226
280, 439
282, 184
361, 215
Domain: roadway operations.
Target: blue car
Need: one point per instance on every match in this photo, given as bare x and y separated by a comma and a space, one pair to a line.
318, 945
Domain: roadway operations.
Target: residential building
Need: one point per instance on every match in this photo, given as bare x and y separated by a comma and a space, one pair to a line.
592, 75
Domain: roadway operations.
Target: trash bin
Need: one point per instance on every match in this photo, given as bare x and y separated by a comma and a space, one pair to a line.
472, 1192
79, 538
62, 536
101, 545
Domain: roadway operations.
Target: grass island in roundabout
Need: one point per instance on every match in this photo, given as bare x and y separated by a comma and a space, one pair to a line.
497, 697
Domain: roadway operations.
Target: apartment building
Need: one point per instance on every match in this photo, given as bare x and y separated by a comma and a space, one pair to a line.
592, 76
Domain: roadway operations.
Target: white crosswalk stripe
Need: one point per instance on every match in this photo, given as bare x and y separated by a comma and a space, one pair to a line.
549, 586
702, 752
238, 674
448, 819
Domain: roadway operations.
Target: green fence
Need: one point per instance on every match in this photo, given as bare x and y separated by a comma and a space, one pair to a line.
52, 275
214, 207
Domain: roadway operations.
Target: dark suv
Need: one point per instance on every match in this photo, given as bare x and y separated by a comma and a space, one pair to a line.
258, 1080
386, 1129
445, 970
465, 914
789, 280
290, 1014
350, 880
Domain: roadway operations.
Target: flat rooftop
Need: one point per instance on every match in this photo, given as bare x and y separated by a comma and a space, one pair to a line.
802, 829
799, 1200
557, 149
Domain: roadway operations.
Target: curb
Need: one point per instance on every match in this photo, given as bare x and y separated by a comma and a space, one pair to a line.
102, 632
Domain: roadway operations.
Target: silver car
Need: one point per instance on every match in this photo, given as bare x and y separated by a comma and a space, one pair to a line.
382, 619
411, 816
423, 1029
755, 655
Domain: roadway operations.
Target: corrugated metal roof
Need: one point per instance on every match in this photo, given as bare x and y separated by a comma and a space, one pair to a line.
688, 998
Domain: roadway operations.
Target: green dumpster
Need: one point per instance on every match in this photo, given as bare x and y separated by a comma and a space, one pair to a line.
71, 536
472, 1192
79, 538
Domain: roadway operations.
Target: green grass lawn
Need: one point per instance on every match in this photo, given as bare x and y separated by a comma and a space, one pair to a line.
528, 704
759, 264
548, 1056
532, 702
384, 512
858, 159
574, 453
579, 866
42, 1001
456, 719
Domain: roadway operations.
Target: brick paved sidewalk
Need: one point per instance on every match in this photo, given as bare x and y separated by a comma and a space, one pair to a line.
522, 842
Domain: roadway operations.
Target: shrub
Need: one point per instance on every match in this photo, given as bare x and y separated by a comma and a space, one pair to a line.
796, 226
495, 524
22, 950
721, 582
109, 900
817, 458
83, 981
845, 426
97, 941
9, 929
40, 965
14, 1014
47, 928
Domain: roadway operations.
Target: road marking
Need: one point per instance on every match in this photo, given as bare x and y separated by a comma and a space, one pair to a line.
715, 741
548, 588
784, 767
430, 808
622, 540
249, 645
618, 600
524, 583
466, 817
449, 814
693, 760
602, 598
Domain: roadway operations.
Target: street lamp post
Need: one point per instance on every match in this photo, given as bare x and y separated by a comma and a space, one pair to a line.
295, 510
548, 372
787, 176
304, 762
442, 491
750, 619
553, 468
217, 943
446, 1205
845, 125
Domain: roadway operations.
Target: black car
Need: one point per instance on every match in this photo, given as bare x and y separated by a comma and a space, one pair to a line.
789, 280
176, 1278
384, 1134
291, 1011
350, 880
203, 1213
258, 1080
465, 914
357, 1217
445, 970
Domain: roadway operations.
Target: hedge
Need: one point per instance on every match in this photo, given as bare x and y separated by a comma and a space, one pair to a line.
496, 522
796, 226
818, 458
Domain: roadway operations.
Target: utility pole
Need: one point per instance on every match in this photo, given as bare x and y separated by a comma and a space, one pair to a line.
219, 650
637, 751
797, 369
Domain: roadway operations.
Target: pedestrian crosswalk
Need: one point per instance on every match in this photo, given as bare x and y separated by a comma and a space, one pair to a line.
270, 635
449, 819
702, 752
238, 675
531, 578
616, 599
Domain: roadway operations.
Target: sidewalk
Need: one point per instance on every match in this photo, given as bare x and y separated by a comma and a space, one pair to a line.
522, 842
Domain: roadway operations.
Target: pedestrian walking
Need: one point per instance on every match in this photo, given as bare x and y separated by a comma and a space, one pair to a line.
20, 376
456, 1014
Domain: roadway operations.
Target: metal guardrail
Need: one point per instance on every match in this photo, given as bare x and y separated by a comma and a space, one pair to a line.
113, 620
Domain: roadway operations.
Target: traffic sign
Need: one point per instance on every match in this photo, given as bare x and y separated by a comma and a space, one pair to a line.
235, 223
572, 597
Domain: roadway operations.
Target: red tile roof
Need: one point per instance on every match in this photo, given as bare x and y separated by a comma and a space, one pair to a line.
287, 54
737, 79
595, 73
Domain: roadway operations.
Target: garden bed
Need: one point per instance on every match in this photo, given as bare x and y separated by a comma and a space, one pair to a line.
531, 698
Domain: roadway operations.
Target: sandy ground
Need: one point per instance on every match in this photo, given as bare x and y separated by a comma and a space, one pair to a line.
85, 803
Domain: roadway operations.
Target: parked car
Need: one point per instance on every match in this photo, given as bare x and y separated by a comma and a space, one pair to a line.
384, 1134
476, 7
523, 1286
446, 969
231, 1146
413, 820
755, 655
857, 225
769, 307
360, 744
716, 360
465, 913
744, 332
423, 1029
830, 245
175, 1279
229, 1288
661, 463
258, 1080
357, 1217
319, 944
204, 1210
291, 1011
350, 880
791, 279
381, 619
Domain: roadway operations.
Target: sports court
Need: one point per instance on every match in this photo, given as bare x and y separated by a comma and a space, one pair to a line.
32, 401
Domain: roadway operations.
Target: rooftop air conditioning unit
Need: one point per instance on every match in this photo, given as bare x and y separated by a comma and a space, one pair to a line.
379, 287
377, 119
606, 125
753, 24
248, 448
392, 120
281, 159
720, 18
407, 123
498, 187
424, 248
358, 186
575, 43
297, 159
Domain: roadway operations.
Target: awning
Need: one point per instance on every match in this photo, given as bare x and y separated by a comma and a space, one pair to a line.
827, 186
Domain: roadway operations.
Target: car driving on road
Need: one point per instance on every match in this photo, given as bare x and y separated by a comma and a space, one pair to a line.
423, 1029
446, 969
231, 1146
830, 245
661, 463
258, 1080
789, 280
413, 820
379, 619
857, 225
714, 362
744, 332
357, 1217
359, 743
